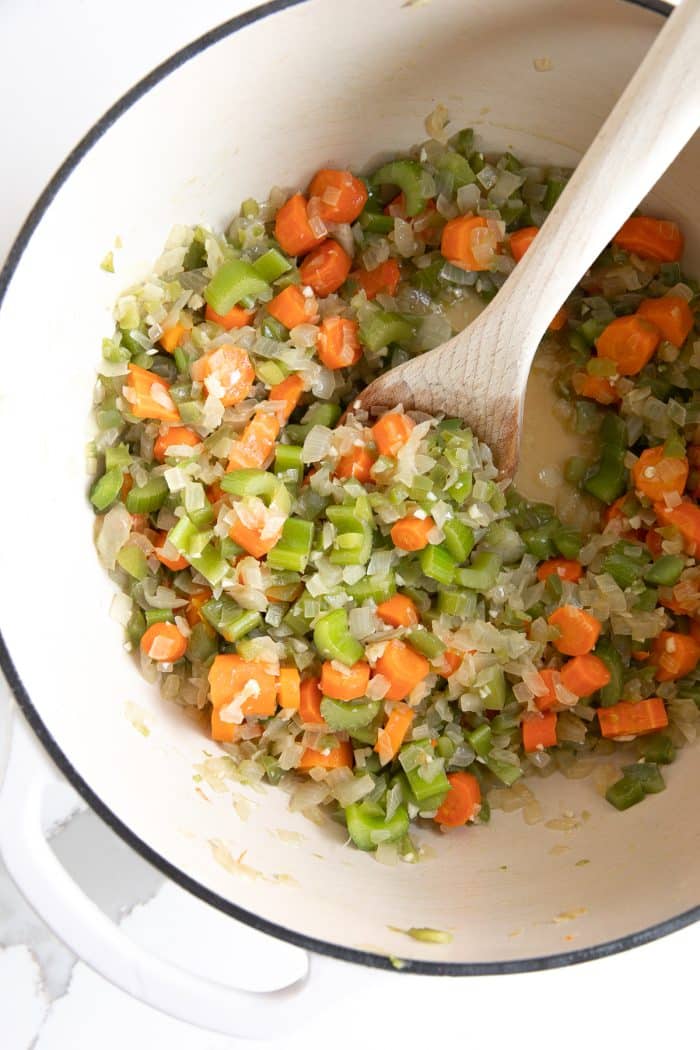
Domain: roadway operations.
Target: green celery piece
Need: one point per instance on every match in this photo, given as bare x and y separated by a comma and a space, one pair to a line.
133, 561
505, 772
482, 574
462, 488
293, 547
437, 563
249, 481
202, 643
159, 616
233, 281
539, 541
666, 570
117, 456
376, 222
143, 499
349, 715
463, 141
457, 603
322, 414
271, 265
382, 327
457, 167
354, 537
288, 458
445, 748
480, 740
135, 627
408, 176
553, 192
423, 789
491, 686
245, 621
459, 539
368, 825
648, 774
106, 489
333, 640
425, 642
200, 516
209, 563
626, 792
625, 562
376, 587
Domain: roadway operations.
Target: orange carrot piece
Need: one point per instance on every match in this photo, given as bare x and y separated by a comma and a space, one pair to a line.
176, 562
237, 317
457, 241
686, 518
403, 668
559, 320
392, 432
462, 802
251, 540
223, 732
325, 268
564, 568
640, 654
398, 611
675, 655
172, 337
174, 437
287, 393
550, 677
230, 674
671, 315
289, 307
584, 675
257, 442
520, 241
127, 486
342, 195
193, 612
627, 719
424, 224
148, 396
289, 688
655, 474
310, 702
539, 731
345, 686
411, 534
650, 238
292, 229
163, 643
341, 755
451, 661
339, 342
597, 388
383, 278
226, 372
578, 630
630, 342
357, 463
392, 736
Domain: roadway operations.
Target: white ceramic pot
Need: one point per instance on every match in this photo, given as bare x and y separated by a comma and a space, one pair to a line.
265, 99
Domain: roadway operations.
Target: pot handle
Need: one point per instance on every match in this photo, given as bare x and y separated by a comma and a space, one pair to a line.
105, 947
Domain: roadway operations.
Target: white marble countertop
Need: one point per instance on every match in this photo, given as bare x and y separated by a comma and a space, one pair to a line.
66, 63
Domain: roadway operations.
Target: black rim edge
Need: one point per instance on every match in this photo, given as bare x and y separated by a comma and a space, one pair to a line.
30, 712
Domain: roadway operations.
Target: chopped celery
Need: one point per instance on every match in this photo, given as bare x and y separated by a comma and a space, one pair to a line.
322, 414
233, 281
491, 686
506, 772
666, 570
288, 460
407, 175
117, 456
133, 560
202, 643
376, 222
425, 642
437, 563
272, 265
135, 627
459, 539
159, 616
456, 168
457, 603
368, 825
106, 489
333, 640
349, 715
293, 547
480, 739
143, 499
482, 573
380, 328
376, 587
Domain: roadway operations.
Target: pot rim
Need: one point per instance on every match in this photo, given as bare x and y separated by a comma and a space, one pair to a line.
312, 944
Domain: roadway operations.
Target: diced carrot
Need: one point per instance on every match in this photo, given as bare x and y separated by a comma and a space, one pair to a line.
148, 396
164, 643
597, 388
615, 511
398, 611
383, 278
289, 307
176, 562
578, 630
392, 432
289, 688
584, 675
564, 568
257, 442
462, 801
292, 229
357, 463
342, 195
559, 320
424, 224
539, 731
127, 486
350, 684
550, 677
326, 268
340, 755
172, 337
403, 668
230, 676
640, 654
237, 317
338, 342
251, 540
671, 315
174, 437
451, 661
655, 474
695, 631
686, 518
627, 719
310, 702
223, 732
675, 655
520, 241
193, 612
650, 238
411, 534
630, 342
226, 372
457, 244
391, 737
215, 493
287, 393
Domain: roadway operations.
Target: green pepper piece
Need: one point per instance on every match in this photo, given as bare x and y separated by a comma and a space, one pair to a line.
376, 222
106, 489
568, 541
463, 141
656, 748
648, 774
611, 693
368, 825
333, 640
626, 792
625, 562
233, 281
408, 176
349, 715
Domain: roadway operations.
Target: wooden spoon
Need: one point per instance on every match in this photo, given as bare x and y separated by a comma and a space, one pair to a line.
481, 374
